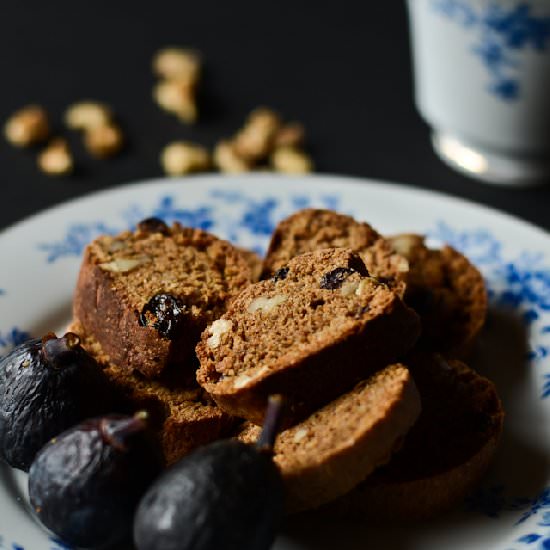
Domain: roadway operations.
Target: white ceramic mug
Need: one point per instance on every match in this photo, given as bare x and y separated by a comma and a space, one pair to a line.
482, 79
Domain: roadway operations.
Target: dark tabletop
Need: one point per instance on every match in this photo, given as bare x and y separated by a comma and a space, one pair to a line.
342, 68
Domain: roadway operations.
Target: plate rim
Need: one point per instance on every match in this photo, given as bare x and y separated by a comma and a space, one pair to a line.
249, 179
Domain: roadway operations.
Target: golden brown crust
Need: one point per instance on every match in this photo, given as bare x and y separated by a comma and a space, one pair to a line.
444, 455
306, 344
335, 448
119, 275
417, 499
314, 229
446, 290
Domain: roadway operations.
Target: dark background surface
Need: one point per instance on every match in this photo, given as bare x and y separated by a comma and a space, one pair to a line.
342, 68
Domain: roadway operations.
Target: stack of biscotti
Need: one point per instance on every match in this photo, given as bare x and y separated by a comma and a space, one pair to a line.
461, 414
444, 455
334, 325
321, 332
142, 299
441, 285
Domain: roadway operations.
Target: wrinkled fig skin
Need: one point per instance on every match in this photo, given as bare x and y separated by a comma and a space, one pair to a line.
86, 484
226, 495
44, 389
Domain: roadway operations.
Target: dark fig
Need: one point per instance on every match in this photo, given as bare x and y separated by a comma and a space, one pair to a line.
46, 386
225, 495
86, 483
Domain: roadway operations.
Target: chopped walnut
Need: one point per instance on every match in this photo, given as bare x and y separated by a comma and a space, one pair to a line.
291, 161
182, 157
27, 126
86, 115
266, 304
227, 159
255, 140
216, 330
177, 64
178, 98
124, 265
104, 141
56, 158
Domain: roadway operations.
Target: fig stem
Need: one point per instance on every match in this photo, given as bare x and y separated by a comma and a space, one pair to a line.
272, 423
59, 351
116, 431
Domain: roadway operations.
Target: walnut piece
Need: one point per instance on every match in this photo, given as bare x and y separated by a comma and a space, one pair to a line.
216, 330
86, 115
266, 304
27, 126
124, 265
177, 98
103, 141
227, 159
56, 158
255, 139
181, 157
178, 64
291, 161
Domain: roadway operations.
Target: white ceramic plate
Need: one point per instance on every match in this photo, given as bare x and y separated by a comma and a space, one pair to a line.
40, 259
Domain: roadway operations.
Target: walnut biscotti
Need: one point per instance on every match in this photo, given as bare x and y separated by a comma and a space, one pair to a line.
445, 453
446, 290
310, 333
147, 295
335, 448
182, 415
314, 229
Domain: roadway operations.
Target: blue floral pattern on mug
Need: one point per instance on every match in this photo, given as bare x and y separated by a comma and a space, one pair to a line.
502, 33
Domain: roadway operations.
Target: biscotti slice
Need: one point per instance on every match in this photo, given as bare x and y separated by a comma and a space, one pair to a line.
446, 290
330, 452
182, 415
147, 295
445, 454
314, 229
254, 262
310, 333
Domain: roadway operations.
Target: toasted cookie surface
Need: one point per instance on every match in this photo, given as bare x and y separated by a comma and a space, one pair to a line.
146, 295
181, 414
315, 328
314, 229
446, 290
445, 453
336, 447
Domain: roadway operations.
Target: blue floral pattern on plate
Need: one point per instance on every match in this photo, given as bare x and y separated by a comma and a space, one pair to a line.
502, 33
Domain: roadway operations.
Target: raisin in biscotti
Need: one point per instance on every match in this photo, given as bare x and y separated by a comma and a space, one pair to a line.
446, 290
182, 415
146, 295
444, 455
313, 330
314, 229
337, 447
